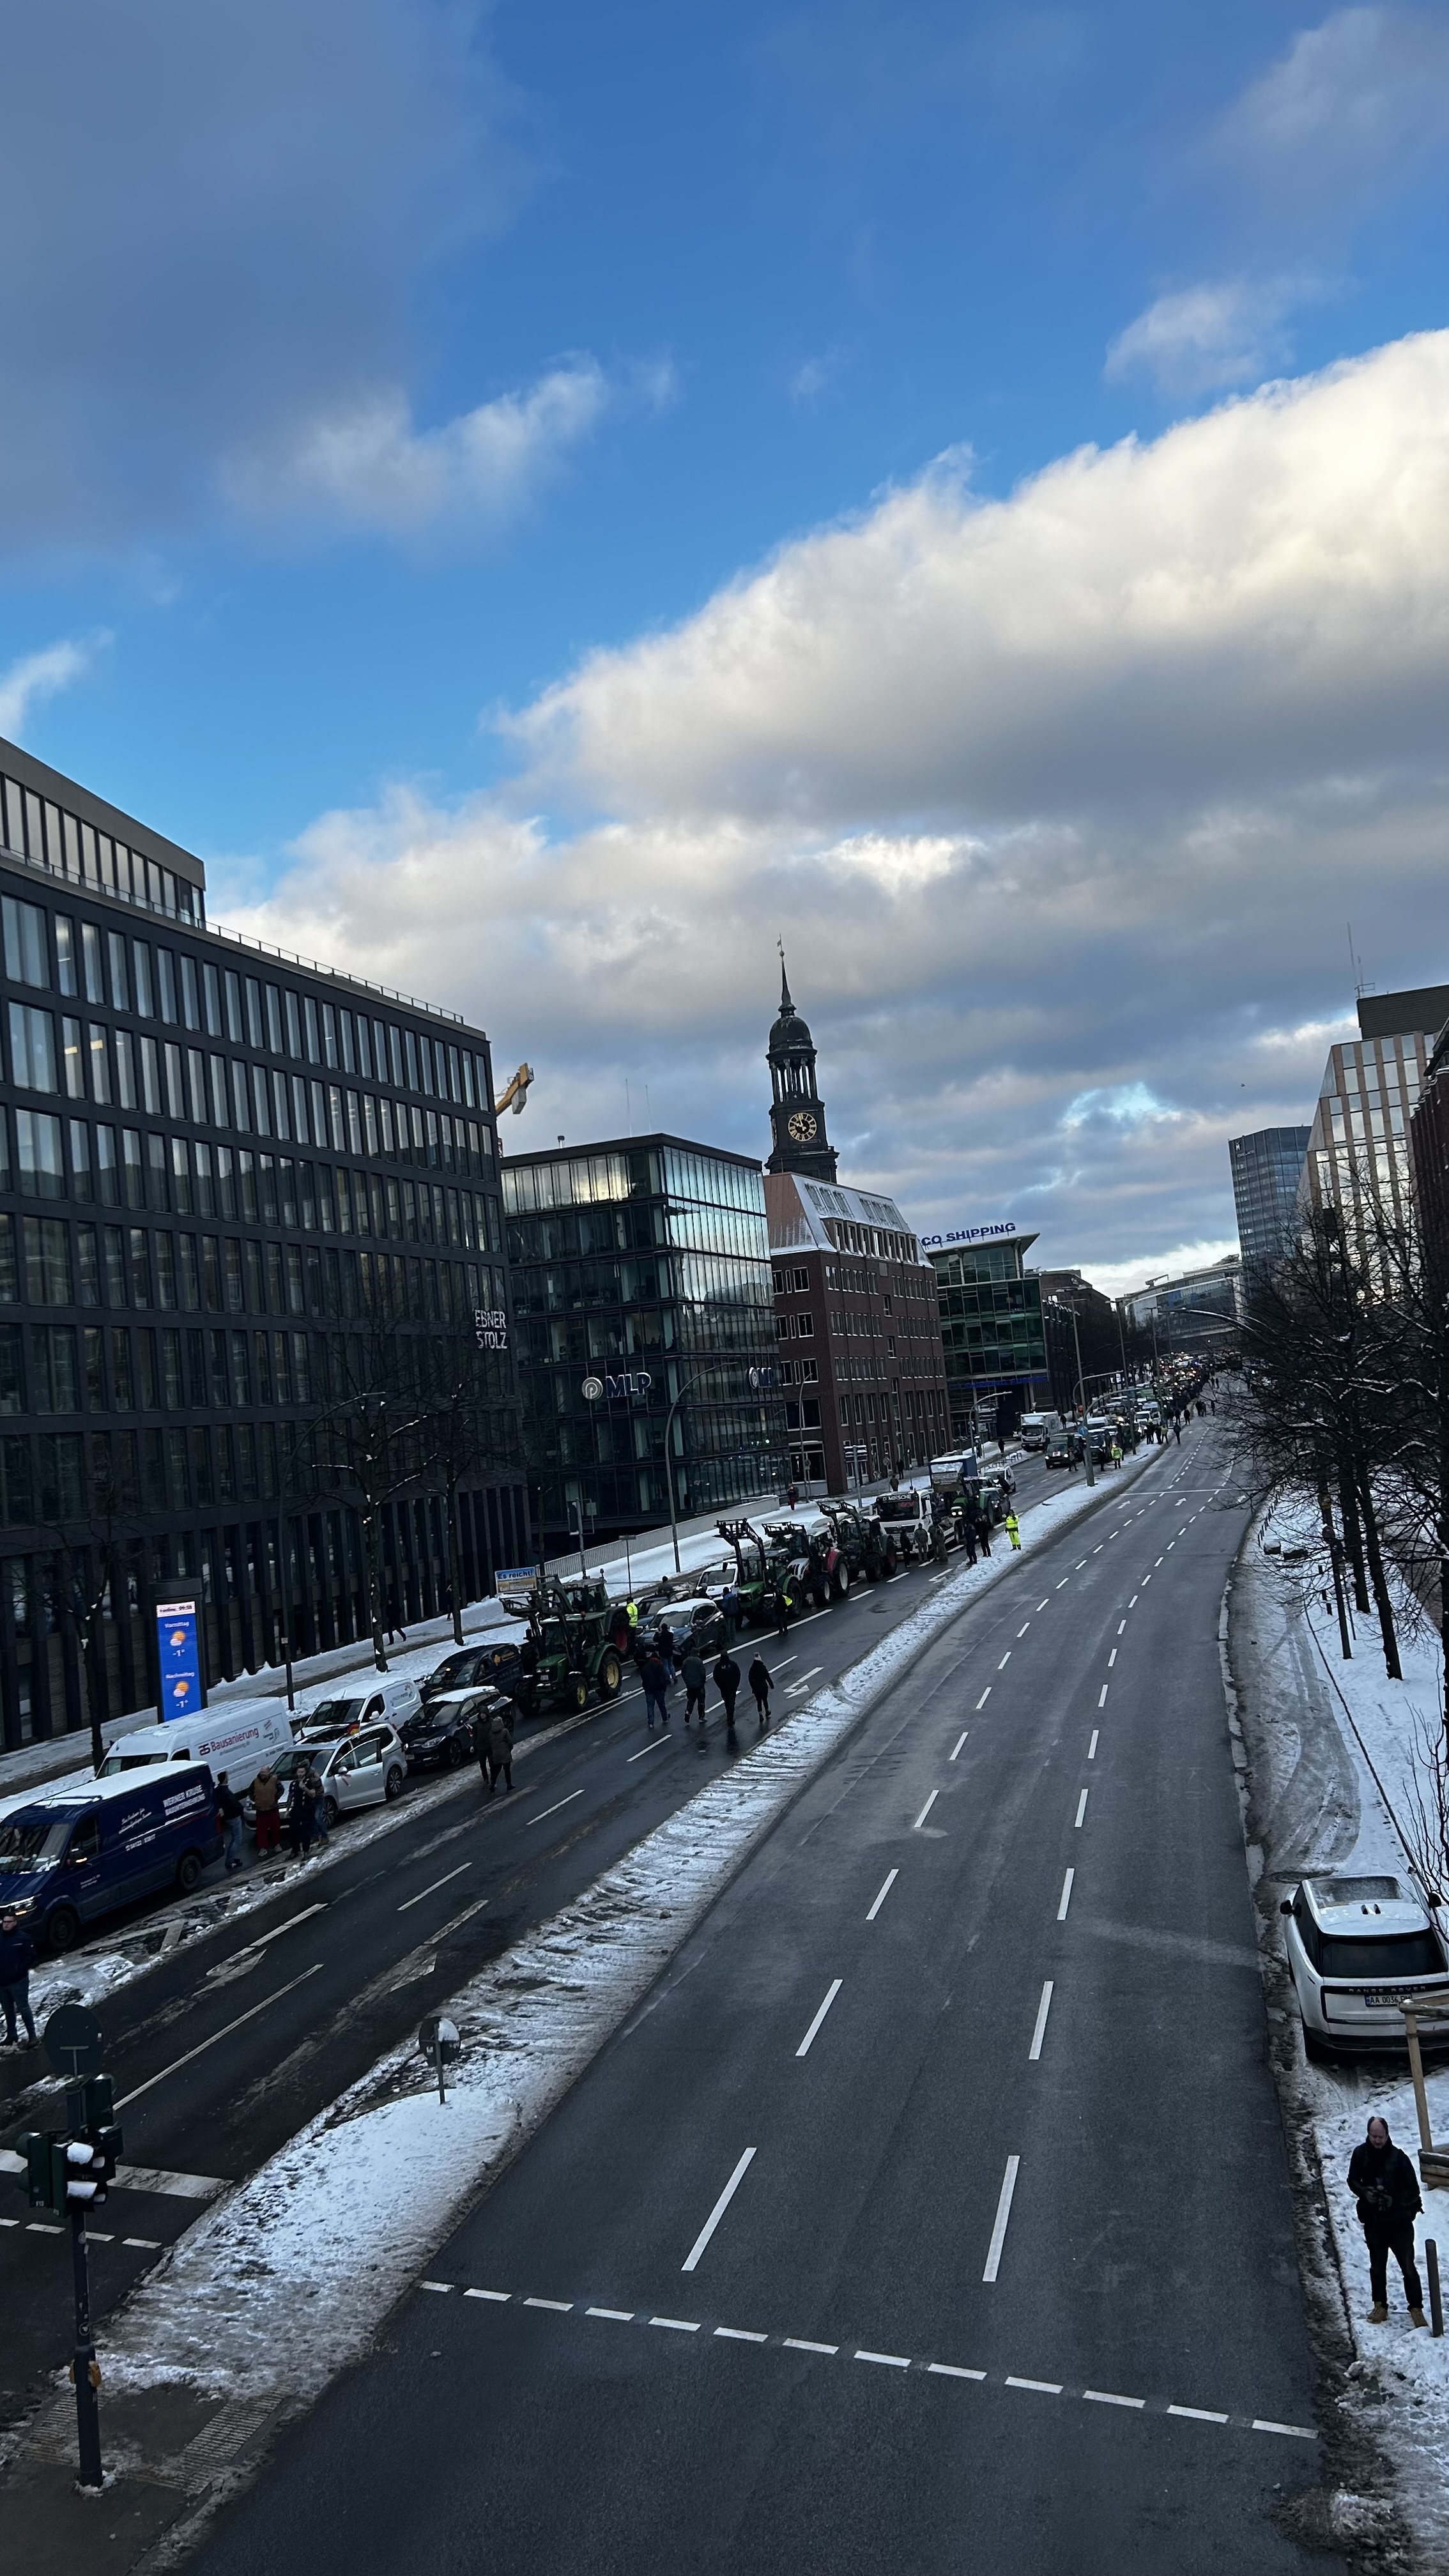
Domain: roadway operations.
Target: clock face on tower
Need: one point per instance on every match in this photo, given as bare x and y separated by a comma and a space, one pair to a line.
803, 1126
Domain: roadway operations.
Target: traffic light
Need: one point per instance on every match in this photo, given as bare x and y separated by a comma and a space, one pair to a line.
44, 2181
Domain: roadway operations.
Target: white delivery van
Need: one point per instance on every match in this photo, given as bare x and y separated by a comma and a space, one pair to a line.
237, 1736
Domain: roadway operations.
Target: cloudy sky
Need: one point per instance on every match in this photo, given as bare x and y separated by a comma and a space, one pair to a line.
548, 501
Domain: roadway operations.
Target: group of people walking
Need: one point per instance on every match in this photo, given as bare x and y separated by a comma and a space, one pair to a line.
658, 1674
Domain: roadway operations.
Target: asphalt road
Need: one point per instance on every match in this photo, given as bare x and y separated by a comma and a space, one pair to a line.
222, 2051
932, 2214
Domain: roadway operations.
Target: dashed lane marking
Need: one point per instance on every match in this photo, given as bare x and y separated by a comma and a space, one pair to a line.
1039, 2033
956, 1747
985, 1696
889, 1881
553, 1810
807, 2042
410, 1901
847, 2349
1081, 1810
1066, 1896
1102, 1696
925, 1811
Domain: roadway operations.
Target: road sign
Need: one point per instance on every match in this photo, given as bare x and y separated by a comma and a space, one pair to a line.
73, 2041
179, 1655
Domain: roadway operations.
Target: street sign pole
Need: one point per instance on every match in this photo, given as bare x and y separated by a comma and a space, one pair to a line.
85, 2370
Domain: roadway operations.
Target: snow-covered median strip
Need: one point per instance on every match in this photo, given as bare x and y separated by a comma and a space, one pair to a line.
285, 2284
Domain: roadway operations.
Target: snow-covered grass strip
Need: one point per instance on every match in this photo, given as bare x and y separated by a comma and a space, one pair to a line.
284, 2284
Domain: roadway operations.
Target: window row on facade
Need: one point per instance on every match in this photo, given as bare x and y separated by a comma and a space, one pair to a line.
115, 1265
51, 838
585, 1180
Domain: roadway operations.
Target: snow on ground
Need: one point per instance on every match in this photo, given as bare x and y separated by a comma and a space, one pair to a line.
1336, 1712
268, 2296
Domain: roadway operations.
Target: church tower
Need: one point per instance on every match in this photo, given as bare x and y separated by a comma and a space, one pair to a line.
797, 1114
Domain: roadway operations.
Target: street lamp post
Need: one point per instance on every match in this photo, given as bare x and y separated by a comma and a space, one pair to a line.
1081, 1396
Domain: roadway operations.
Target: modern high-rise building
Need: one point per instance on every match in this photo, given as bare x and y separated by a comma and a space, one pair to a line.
645, 1333
1266, 1168
1358, 1157
1194, 1311
992, 1333
224, 1175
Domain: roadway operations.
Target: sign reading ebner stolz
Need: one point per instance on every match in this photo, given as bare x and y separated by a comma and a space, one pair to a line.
995, 1231
491, 1326
179, 1657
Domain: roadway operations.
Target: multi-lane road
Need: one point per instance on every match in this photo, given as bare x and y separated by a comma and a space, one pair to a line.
933, 2212
223, 2050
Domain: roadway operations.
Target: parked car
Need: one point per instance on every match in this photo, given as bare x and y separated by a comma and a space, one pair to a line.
499, 1663
449, 1728
1355, 1946
358, 1770
382, 1703
72, 1854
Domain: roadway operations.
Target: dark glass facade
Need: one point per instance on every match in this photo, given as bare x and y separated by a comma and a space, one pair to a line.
641, 1269
991, 1330
219, 1169
1267, 1168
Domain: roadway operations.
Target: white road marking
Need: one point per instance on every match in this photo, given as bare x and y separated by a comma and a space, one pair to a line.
925, 1811
663, 1737
553, 1810
806, 1678
1092, 1747
1105, 2397
888, 1884
1045, 1605
691, 2259
225, 2033
956, 1747
1005, 1660
1112, 1658
677, 2325
1043, 2387
831, 1992
1295, 2432
985, 1696
1102, 1696
1132, 1604
559, 2307
1146, 1579
1066, 1579
410, 1901
1021, 1631
1198, 2414
799, 2343
616, 2316
1081, 1561
891, 2360
176, 2186
1081, 1809
1156, 1561
739, 2334
501, 2297
948, 2370
142, 2244
444, 2286
1066, 1896
278, 1929
1003, 2213
1038, 2035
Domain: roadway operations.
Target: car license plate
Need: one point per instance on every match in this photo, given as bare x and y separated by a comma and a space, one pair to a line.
1382, 1999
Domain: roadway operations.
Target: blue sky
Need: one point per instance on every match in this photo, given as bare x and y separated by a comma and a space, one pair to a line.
373, 366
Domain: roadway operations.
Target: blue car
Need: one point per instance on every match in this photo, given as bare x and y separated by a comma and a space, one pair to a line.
73, 1854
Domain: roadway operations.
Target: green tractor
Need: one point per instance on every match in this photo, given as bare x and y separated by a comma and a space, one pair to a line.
574, 1654
752, 1578
815, 1568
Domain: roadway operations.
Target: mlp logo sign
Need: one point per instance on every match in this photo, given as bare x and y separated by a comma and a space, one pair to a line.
179, 1655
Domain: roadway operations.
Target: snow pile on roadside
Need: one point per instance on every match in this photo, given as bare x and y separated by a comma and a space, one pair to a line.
278, 2288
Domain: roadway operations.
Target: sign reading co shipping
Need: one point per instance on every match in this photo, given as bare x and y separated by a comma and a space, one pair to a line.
491, 1326
989, 1233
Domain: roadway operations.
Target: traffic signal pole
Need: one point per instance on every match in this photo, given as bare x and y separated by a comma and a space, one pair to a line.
85, 2370
69, 2175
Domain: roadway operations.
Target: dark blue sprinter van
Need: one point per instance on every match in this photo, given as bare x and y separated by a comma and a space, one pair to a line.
72, 1854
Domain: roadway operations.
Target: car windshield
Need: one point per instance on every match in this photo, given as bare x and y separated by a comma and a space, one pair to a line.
32, 1842
898, 1507
115, 1762
334, 1715
1398, 1954
453, 1669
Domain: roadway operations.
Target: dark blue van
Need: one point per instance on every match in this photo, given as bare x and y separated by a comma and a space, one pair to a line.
70, 1855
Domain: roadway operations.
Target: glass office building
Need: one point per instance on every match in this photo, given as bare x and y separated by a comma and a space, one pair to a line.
217, 1163
1267, 1168
641, 1275
992, 1333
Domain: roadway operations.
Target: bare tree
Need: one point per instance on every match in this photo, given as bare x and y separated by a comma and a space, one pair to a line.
369, 1443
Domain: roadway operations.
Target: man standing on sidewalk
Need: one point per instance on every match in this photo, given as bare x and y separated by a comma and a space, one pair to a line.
1387, 2190
229, 1817
17, 1958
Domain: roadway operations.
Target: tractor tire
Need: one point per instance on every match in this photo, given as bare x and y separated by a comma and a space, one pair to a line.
839, 1580
609, 1677
576, 1694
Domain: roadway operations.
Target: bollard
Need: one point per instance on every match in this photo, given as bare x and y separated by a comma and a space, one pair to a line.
1436, 2304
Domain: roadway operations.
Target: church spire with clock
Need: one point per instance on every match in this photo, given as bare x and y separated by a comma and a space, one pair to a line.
797, 1113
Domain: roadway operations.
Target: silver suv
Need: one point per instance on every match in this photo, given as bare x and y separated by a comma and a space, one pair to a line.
1355, 1946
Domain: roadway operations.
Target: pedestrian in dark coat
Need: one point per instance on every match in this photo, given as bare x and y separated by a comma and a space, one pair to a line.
17, 1958
655, 1679
301, 1813
760, 1685
664, 1647
500, 1749
983, 1532
1386, 2189
229, 1817
696, 1681
727, 1683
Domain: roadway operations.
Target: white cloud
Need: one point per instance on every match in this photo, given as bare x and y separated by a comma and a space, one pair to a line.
1352, 112
1204, 337
35, 677
1060, 799
370, 467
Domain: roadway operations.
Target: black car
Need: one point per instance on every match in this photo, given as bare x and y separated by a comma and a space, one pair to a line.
449, 1729
499, 1666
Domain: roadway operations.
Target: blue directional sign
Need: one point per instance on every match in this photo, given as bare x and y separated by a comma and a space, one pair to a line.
179, 1655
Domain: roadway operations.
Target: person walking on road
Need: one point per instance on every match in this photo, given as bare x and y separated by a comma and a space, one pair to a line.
267, 1808
696, 1682
664, 1647
655, 1678
229, 1817
1012, 1527
760, 1686
17, 1958
300, 1813
727, 1683
1386, 2188
500, 1749
983, 1530
782, 1608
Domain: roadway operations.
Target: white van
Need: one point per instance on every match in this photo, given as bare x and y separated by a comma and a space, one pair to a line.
237, 1736
347, 1704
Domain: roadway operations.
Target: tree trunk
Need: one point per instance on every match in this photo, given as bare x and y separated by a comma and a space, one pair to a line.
374, 1584
1353, 1537
1335, 1559
1382, 1602
455, 1561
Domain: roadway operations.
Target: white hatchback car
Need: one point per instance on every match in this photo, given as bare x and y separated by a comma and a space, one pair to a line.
358, 1770
1355, 1947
